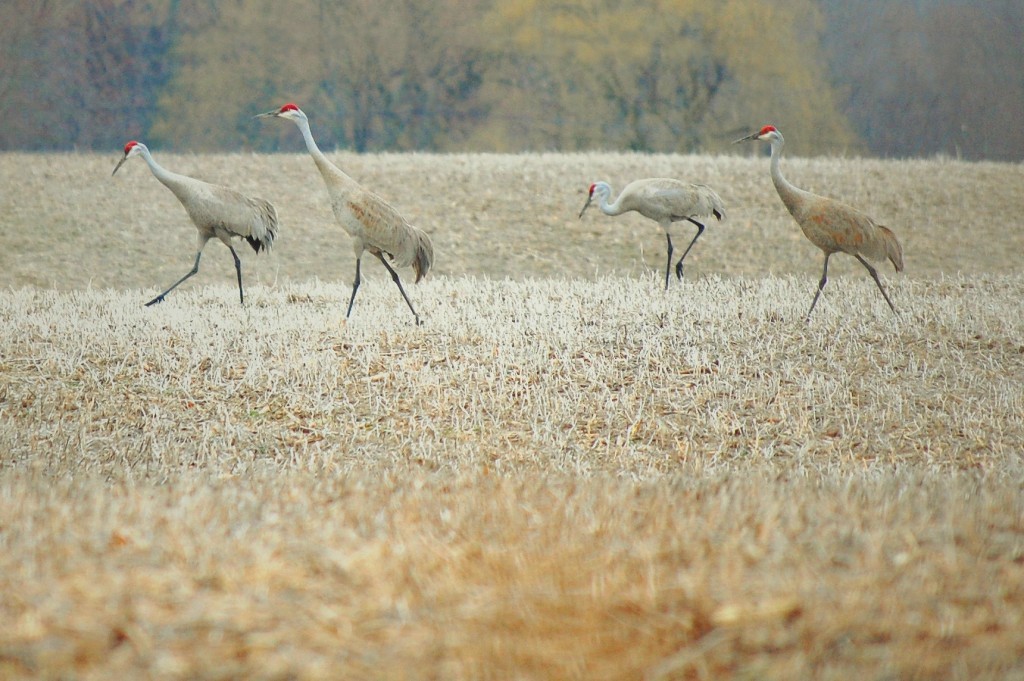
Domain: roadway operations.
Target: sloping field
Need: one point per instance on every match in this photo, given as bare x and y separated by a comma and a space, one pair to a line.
68, 224
565, 472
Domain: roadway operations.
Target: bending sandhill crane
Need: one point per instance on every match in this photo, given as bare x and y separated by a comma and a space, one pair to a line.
665, 201
831, 225
372, 223
216, 212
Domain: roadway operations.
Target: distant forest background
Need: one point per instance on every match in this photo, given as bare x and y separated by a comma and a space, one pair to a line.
888, 78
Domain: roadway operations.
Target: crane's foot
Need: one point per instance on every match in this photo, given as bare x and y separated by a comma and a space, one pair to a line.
679, 270
158, 299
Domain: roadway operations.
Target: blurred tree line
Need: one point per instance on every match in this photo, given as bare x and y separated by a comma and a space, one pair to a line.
920, 77
890, 77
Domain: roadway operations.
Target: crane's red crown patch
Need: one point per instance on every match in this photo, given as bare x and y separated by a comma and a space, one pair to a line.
767, 129
290, 106
591, 192
128, 147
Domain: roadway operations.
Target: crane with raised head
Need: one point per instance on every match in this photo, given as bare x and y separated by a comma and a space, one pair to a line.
831, 225
373, 224
665, 201
215, 211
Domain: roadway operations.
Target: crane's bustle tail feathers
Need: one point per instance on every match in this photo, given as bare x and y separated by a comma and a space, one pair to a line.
263, 242
416, 250
263, 228
714, 205
258, 245
893, 250
424, 254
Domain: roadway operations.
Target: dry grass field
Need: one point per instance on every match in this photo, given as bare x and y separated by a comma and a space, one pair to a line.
565, 472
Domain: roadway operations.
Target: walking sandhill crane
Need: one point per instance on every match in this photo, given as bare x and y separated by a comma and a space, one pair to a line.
215, 211
665, 201
831, 225
373, 224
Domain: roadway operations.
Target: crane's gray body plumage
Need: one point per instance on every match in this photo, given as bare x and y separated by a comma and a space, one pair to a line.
666, 201
224, 213
215, 211
373, 224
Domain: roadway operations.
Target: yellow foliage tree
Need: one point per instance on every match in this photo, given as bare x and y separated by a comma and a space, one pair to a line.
677, 75
650, 75
371, 73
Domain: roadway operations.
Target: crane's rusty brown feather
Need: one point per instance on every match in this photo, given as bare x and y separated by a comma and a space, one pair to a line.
372, 222
836, 227
831, 225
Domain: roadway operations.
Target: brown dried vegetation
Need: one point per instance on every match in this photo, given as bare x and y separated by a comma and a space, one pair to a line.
579, 477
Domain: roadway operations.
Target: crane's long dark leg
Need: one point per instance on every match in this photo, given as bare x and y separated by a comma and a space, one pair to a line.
195, 268
238, 271
394, 278
355, 287
821, 285
679, 265
668, 264
874, 275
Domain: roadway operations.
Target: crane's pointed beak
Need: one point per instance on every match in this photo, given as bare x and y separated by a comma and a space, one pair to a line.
586, 205
752, 136
119, 164
269, 114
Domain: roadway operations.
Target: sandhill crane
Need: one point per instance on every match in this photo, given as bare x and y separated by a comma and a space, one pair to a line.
373, 224
831, 225
665, 201
216, 212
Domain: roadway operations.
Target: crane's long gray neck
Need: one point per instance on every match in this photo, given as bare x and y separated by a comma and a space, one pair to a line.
169, 179
613, 208
307, 136
323, 165
790, 194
